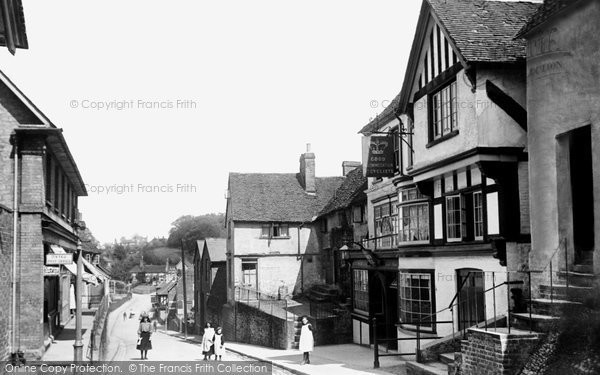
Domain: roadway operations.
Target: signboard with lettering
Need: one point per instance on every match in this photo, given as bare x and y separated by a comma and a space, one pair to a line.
51, 271
381, 161
56, 259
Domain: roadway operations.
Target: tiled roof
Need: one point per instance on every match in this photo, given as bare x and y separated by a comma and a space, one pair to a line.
483, 31
277, 197
351, 190
217, 249
383, 118
544, 12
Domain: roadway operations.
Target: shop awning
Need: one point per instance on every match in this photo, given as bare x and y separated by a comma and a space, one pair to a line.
95, 271
72, 267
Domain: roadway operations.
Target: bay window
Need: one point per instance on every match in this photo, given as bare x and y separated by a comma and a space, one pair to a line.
414, 217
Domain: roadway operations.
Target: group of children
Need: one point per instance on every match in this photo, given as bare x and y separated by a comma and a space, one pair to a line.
212, 343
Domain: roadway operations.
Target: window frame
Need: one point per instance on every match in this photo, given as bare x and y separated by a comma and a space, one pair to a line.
451, 104
381, 238
459, 224
363, 292
270, 231
407, 202
401, 285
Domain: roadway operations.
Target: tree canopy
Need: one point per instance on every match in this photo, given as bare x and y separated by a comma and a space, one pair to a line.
192, 228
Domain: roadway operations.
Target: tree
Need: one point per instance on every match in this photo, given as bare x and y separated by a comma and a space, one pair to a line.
192, 228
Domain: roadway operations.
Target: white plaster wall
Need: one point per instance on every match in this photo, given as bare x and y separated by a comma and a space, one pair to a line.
563, 94
446, 286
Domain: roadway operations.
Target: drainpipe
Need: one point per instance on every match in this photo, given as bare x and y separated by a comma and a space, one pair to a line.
301, 261
14, 349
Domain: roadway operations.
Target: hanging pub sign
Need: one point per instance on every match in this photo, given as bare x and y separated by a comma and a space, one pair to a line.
379, 150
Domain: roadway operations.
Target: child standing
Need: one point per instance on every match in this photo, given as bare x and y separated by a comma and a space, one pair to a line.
307, 341
219, 344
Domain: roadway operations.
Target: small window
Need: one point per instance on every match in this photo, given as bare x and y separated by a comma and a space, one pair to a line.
444, 111
357, 214
453, 218
361, 290
274, 231
478, 215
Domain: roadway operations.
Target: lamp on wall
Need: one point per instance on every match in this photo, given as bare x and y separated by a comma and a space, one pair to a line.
372, 258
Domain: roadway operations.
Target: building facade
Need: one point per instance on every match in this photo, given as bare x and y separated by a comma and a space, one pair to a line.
454, 217
563, 107
210, 281
272, 242
40, 186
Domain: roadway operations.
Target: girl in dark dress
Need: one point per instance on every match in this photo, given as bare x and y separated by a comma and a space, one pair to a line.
144, 333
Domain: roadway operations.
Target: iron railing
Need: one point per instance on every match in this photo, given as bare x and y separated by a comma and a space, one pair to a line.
550, 273
274, 305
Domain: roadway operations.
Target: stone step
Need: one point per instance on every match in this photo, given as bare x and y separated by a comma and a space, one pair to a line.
447, 358
555, 307
428, 368
583, 268
560, 291
535, 322
577, 278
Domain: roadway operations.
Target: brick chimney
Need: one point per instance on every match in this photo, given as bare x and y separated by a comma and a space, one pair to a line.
349, 166
307, 171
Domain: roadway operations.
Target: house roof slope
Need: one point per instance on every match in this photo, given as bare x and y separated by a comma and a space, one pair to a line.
277, 197
351, 190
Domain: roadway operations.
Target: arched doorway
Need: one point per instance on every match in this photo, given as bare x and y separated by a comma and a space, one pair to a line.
471, 298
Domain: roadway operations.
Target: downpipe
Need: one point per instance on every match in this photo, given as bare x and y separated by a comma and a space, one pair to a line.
16, 354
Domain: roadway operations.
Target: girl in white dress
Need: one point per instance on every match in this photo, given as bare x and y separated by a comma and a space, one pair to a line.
219, 344
307, 341
207, 341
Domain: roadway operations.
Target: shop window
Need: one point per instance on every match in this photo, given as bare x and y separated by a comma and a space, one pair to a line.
416, 300
361, 290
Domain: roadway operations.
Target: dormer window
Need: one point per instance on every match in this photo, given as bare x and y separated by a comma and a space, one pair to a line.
444, 112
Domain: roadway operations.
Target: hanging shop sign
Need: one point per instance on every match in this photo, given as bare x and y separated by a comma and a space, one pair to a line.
381, 161
57, 259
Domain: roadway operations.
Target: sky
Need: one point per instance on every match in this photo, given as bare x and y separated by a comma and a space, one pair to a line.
159, 101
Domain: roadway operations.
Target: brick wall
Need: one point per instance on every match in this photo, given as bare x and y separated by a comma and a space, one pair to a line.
491, 353
243, 323
31, 287
5, 281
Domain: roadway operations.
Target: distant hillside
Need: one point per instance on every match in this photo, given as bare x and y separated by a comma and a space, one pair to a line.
159, 255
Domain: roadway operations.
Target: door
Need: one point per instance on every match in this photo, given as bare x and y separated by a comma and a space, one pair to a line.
471, 299
582, 193
384, 306
250, 279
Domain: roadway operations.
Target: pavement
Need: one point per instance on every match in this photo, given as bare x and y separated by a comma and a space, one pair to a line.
62, 347
347, 359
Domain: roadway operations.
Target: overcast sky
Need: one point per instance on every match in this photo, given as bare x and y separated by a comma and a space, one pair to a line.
255, 80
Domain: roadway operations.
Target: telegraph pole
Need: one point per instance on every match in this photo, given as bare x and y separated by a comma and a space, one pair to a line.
184, 291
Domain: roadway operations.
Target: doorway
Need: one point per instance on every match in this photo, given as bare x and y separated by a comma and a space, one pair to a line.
471, 298
384, 306
582, 193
